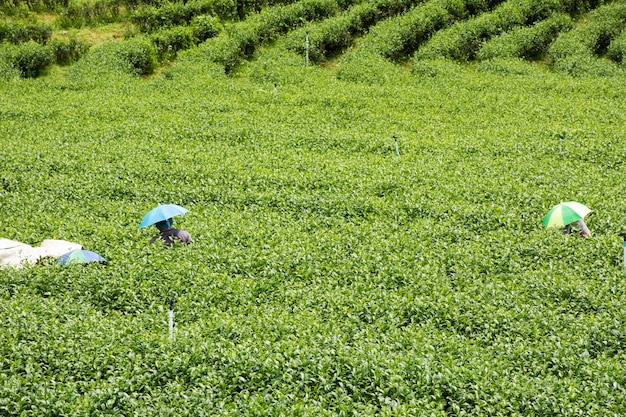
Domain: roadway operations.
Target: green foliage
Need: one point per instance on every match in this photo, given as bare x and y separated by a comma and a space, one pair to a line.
336, 34
463, 40
328, 275
397, 37
506, 66
66, 52
150, 18
241, 39
528, 41
205, 27
29, 58
437, 68
369, 68
617, 48
92, 13
10, 6
367, 236
169, 42
576, 52
19, 32
135, 56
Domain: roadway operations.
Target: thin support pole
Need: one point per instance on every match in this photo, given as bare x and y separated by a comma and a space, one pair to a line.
307, 49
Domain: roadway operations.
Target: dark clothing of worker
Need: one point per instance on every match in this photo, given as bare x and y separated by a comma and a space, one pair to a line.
577, 226
167, 233
168, 236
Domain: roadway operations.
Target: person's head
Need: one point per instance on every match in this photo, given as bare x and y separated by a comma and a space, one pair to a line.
165, 224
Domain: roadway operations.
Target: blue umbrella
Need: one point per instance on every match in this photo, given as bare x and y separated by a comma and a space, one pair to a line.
79, 257
160, 213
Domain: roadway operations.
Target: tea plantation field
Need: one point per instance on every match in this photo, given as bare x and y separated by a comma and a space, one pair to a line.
330, 275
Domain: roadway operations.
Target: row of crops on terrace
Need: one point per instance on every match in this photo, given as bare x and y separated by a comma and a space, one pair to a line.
573, 36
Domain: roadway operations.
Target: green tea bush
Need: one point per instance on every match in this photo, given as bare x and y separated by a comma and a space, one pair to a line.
508, 66
576, 51
400, 36
10, 6
66, 52
617, 48
241, 39
369, 68
331, 35
205, 27
29, 58
138, 55
436, 68
77, 15
135, 56
528, 42
149, 18
337, 33
18, 32
276, 67
8, 70
169, 42
463, 40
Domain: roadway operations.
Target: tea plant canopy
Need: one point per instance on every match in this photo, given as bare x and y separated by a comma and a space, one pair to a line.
564, 213
160, 213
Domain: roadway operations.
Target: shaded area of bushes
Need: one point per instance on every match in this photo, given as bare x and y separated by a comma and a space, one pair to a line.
18, 32
617, 48
29, 59
576, 52
527, 41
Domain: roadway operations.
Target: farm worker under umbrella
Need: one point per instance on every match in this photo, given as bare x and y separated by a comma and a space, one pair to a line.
167, 233
577, 226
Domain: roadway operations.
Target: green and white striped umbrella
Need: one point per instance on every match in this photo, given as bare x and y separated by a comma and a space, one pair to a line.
563, 214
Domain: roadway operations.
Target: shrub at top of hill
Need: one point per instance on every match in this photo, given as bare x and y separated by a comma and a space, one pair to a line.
28, 58
18, 32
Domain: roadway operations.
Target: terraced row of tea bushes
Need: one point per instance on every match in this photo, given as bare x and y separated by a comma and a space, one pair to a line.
399, 36
575, 52
528, 42
30, 59
337, 33
18, 32
241, 39
463, 40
